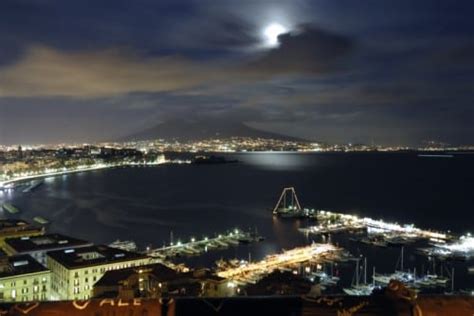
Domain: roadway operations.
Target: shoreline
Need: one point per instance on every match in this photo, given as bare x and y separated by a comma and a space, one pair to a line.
65, 172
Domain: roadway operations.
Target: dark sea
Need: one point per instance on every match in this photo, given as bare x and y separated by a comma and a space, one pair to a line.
146, 204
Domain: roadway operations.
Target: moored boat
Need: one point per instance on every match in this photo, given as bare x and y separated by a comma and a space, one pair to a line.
10, 208
41, 220
33, 185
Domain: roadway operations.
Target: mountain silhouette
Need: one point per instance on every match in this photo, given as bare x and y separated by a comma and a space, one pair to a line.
193, 130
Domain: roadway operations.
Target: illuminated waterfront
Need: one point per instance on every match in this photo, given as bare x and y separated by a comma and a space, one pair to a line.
146, 204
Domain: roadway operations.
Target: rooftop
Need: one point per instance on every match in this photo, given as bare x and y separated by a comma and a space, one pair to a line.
92, 256
13, 224
21, 264
45, 242
159, 271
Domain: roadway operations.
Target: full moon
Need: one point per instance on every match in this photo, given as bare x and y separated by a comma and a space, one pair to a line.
271, 33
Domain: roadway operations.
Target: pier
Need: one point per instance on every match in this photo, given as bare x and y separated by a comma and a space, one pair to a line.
199, 246
251, 272
331, 222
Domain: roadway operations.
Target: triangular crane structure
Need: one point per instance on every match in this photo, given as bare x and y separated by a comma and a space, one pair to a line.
288, 201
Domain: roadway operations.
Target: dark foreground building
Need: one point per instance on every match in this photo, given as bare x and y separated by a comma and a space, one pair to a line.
394, 300
157, 280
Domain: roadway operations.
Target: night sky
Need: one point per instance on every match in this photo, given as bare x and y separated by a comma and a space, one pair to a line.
389, 72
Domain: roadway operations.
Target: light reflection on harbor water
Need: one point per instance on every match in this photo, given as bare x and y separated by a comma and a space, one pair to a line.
146, 203
279, 161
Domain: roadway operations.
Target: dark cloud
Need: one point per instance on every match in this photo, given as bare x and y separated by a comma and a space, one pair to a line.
47, 72
43, 71
224, 32
307, 50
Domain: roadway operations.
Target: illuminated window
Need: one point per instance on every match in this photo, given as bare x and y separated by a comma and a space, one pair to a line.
13, 293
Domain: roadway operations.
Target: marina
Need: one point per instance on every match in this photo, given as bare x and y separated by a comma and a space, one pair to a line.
333, 222
361, 287
196, 247
382, 234
251, 272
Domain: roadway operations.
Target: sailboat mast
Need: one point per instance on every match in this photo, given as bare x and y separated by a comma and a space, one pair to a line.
357, 272
373, 276
365, 270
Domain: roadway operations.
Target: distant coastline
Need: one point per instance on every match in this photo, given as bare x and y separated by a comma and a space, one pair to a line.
4, 184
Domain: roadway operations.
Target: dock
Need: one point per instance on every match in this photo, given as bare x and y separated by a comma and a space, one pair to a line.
196, 247
253, 271
332, 222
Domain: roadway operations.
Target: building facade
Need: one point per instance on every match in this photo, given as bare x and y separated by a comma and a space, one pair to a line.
23, 279
75, 271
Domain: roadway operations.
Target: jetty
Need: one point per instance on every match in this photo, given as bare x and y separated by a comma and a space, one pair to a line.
199, 246
253, 271
332, 222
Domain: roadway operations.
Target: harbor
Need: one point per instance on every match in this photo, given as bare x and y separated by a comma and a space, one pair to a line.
435, 246
356, 237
